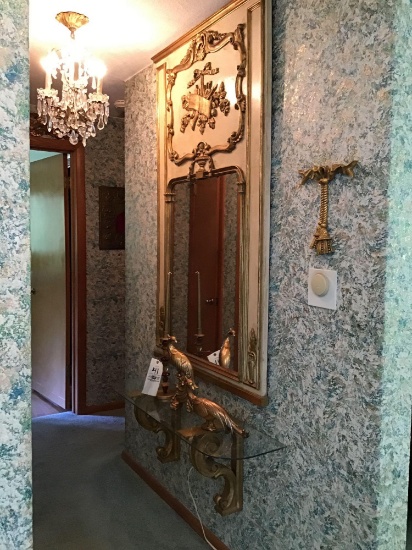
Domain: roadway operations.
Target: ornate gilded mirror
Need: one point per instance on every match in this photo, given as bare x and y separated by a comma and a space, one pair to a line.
213, 171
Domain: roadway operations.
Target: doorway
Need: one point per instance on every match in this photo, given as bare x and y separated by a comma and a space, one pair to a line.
207, 203
59, 273
50, 280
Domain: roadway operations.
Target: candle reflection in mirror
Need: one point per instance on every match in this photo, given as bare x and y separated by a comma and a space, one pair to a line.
167, 305
199, 305
199, 335
163, 392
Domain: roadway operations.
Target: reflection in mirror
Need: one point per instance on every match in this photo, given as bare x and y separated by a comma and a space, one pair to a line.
205, 248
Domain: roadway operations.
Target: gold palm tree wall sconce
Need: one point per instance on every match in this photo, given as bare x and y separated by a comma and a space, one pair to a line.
322, 241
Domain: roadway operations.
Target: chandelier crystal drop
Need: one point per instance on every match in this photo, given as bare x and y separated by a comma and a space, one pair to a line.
78, 114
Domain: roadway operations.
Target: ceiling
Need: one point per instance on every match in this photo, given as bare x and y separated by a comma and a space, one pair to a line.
125, 34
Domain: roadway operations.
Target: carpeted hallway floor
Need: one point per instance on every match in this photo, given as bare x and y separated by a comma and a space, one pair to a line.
86, 498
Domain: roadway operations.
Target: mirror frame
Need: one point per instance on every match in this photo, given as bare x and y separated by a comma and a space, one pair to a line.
246, 381
201, 364
251, 160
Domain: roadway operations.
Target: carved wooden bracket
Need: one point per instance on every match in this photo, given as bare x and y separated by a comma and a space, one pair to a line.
205, 442
230, 499
170, 451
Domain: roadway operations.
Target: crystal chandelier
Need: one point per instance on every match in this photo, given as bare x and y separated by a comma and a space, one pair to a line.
77, 114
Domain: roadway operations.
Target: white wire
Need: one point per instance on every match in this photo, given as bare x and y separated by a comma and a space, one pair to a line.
197, 512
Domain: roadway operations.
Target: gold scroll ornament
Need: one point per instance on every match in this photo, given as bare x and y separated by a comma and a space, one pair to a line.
322, 241
202, 104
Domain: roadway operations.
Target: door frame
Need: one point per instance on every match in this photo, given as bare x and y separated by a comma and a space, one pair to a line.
77, 228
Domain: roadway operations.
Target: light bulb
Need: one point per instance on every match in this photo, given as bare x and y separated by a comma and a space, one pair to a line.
50, 62
95, 67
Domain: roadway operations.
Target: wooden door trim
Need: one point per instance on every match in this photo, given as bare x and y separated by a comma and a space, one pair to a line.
67, 241
78, 304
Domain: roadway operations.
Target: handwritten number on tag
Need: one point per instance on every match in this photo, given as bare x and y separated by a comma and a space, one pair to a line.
154, 374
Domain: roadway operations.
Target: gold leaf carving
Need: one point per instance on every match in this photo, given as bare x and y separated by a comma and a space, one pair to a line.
203, 104
322, 241
252, 359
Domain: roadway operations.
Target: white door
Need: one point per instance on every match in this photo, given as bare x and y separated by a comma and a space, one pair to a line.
48, 278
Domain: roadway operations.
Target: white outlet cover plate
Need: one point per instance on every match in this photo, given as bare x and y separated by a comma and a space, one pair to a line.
329, 300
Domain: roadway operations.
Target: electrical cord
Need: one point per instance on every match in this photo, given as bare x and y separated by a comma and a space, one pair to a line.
197, 512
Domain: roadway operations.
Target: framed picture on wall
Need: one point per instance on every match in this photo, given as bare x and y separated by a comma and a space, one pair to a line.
111, 218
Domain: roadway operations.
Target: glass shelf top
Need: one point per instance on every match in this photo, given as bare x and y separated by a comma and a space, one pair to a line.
187, 426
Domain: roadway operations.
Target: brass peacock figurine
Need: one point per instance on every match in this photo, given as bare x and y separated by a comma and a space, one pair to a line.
217, 418
225, 356
185, 379
180, 362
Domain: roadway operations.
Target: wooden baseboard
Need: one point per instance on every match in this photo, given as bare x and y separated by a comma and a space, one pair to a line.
172, 501
92, 409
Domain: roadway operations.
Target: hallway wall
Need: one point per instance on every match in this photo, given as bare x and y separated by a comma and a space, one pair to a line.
339, 382
15, 417
104, 165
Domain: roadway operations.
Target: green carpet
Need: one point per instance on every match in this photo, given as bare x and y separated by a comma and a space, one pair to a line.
86, 498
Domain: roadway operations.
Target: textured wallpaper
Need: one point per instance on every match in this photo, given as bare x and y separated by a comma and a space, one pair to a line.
104, 165
230, 254
338, 381
397, 346
180, 267
15, 380
141, 224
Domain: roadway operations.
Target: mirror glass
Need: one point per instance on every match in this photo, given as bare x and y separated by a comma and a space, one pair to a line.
205, 245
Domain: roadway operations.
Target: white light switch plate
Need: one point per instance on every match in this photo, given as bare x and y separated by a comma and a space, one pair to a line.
328, 301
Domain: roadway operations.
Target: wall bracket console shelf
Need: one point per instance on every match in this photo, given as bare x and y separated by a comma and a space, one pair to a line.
213, 454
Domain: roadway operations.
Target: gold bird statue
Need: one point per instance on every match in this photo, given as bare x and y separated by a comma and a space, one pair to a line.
216, 417
225, 353
181, 363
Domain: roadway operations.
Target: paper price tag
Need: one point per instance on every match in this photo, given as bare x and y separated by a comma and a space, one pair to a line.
214, 357
154, 374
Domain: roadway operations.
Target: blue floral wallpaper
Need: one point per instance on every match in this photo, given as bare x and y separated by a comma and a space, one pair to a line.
397, 345
15, 381
339, 381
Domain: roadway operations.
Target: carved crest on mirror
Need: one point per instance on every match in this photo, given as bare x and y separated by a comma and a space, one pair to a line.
201, 105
